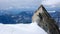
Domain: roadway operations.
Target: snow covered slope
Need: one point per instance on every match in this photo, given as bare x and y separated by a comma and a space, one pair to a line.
32, 28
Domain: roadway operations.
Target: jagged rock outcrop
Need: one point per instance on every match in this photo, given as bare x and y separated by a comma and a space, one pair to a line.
44, 20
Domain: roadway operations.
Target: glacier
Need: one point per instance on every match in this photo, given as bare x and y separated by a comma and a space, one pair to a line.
31, 28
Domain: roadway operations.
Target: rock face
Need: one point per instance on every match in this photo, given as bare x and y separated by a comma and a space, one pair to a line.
44, 20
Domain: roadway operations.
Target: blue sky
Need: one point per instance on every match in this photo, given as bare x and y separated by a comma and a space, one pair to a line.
8, 4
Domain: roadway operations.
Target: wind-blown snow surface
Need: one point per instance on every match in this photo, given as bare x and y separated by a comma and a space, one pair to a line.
32, 28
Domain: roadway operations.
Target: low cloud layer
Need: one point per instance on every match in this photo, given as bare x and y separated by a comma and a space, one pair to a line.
51, 3
29, 4
19, 3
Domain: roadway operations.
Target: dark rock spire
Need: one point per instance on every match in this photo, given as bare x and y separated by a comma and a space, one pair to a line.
44, 20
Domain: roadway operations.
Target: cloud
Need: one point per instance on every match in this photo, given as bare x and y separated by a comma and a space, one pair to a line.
19, 3
50, 2
28, 4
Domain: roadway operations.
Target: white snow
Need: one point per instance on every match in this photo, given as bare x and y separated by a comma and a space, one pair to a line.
51, 11
32, 28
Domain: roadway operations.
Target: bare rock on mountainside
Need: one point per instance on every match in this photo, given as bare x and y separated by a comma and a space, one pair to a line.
45, 21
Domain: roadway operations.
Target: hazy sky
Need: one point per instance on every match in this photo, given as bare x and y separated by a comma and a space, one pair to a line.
8, 4
19, 3
51, 3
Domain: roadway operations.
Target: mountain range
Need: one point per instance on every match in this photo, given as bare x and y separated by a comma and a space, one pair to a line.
21, 16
